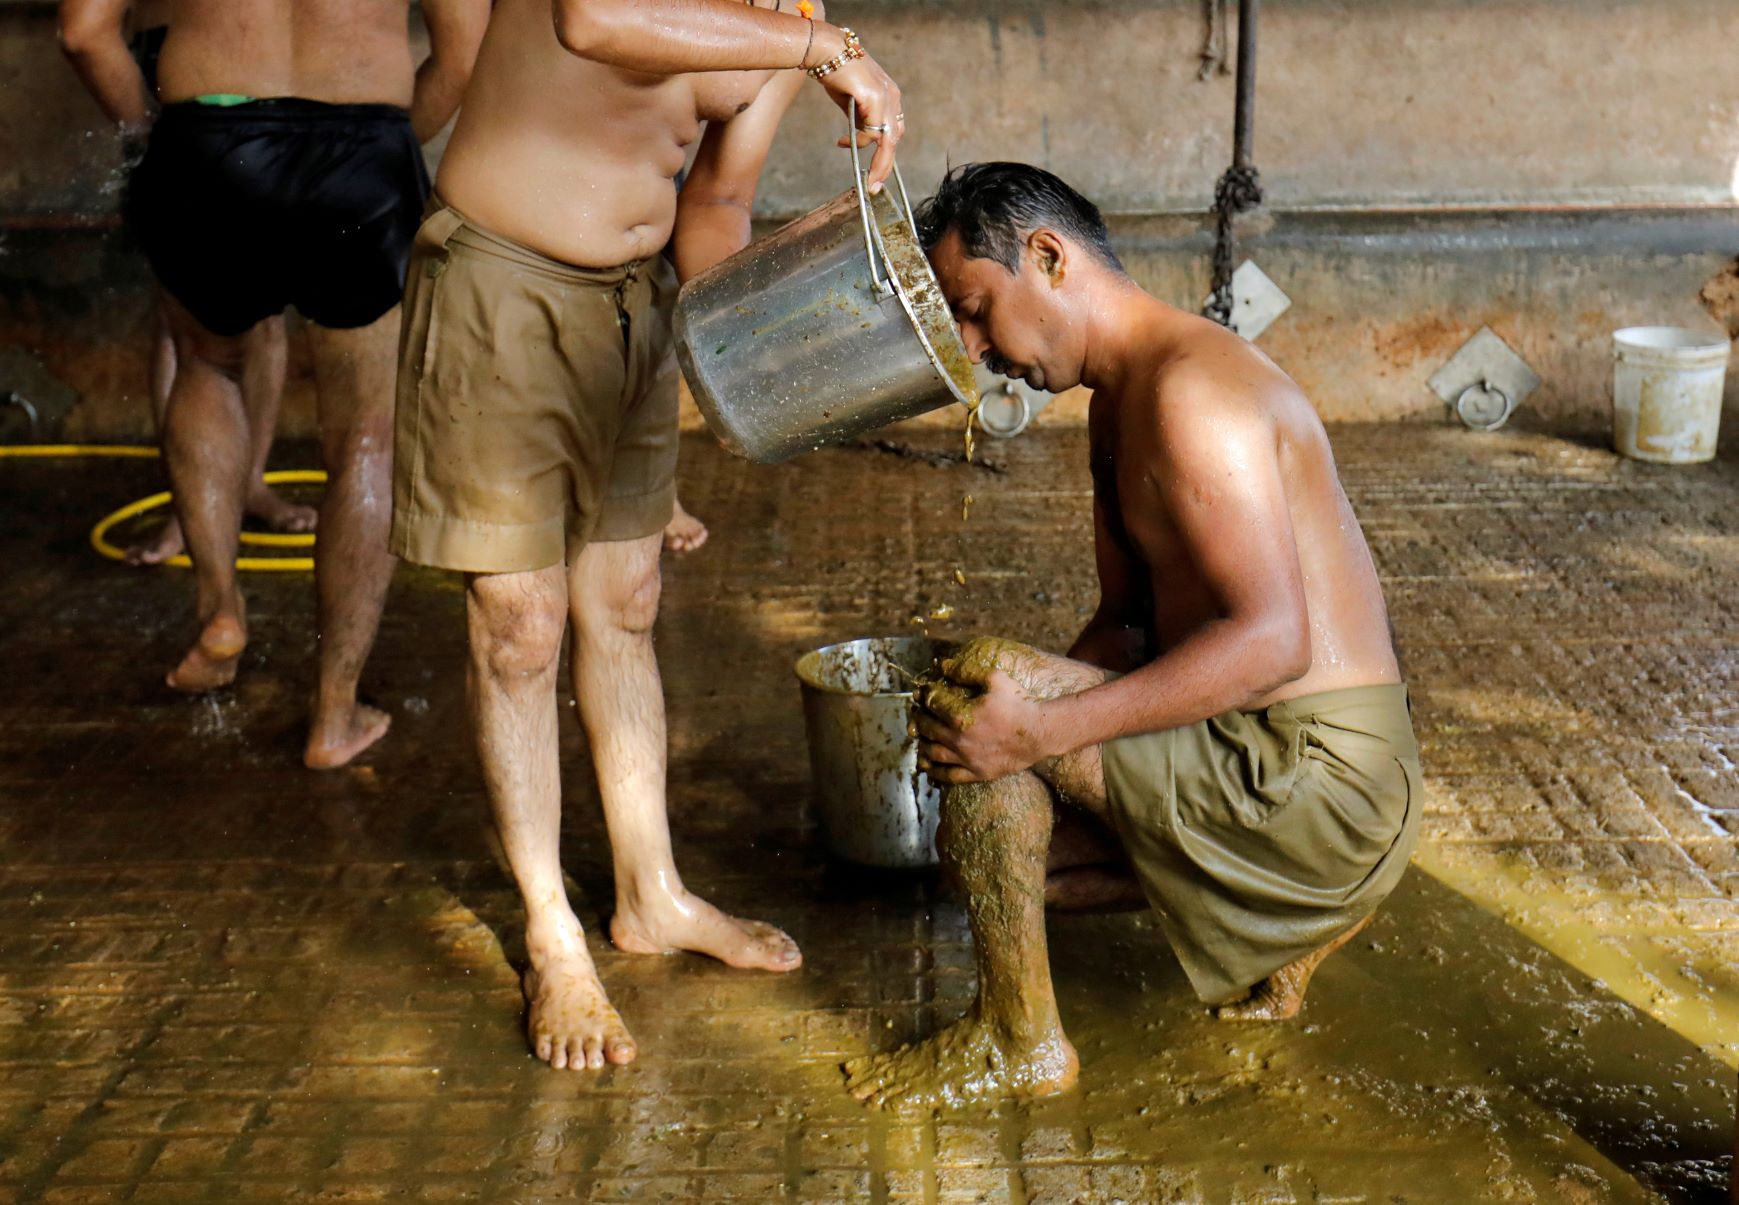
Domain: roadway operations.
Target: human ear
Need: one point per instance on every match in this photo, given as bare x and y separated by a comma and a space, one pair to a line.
1050, 254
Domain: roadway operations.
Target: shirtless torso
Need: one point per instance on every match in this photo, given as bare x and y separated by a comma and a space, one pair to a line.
1148, 571
532, 159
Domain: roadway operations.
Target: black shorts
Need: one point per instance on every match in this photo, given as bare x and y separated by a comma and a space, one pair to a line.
244, 210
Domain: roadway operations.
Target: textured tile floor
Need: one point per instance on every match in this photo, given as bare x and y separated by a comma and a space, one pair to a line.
223, 978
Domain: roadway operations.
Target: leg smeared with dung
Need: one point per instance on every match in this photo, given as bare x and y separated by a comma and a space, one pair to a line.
1010, 1044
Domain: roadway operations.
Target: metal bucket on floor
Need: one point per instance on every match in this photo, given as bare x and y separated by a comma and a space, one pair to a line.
876, 807
828, 327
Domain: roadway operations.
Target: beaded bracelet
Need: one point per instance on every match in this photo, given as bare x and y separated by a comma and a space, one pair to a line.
853, 50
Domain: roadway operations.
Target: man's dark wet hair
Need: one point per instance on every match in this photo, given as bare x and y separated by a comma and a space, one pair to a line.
995, 206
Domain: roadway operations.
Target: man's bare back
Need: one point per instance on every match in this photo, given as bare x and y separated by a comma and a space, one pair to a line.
337, 51
1215, 392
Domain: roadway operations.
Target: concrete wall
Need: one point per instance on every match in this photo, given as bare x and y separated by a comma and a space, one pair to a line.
1552, 168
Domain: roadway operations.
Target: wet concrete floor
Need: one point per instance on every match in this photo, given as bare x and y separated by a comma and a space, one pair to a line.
226, 979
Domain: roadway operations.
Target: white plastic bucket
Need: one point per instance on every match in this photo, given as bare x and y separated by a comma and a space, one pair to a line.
1666, 393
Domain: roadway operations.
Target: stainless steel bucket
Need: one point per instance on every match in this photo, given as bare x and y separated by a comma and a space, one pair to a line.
876, 807
828, 327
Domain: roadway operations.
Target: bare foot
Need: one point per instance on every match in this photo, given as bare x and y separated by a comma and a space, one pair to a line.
693, 924
211, 662
264, 503
969, 1061
336, 742
1281, 995
569, 1020
154, 549
684, 532
279, 513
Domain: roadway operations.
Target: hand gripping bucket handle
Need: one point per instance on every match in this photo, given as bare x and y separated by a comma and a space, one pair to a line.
874, 249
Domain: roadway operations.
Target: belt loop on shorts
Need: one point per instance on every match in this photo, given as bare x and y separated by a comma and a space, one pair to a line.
439, 227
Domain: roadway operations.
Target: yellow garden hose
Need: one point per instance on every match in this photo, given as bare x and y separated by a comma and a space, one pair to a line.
99, 533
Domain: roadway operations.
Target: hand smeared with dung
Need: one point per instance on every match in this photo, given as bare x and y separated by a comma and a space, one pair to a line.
977, 723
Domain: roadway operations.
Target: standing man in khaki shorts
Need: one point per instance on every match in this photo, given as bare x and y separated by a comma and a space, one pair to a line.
536, 440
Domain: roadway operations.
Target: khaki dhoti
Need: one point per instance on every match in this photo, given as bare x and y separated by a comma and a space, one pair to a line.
1260, 836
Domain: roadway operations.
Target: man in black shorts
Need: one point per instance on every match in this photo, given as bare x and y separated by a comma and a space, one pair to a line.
94, 48
286, 170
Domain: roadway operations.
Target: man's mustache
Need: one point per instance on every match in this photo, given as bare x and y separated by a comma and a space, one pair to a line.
997, 364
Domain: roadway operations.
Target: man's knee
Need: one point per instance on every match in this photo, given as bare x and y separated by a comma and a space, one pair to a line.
516, 624
623, 599
1042, 675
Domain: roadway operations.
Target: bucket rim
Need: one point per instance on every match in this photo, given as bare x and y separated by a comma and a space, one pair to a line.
809, 682
1662, 339
898, 229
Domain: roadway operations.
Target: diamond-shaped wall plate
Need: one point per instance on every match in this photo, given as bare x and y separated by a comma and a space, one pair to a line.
1256, 300
1484, 381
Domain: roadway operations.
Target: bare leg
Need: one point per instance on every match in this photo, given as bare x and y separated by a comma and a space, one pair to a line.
205, 442
684, 532
516, 624
613, 596
262, 387
1281, 995
262, 393
354, 372
1010, 1043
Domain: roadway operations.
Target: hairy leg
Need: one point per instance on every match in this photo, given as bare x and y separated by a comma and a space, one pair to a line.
262, 393
262, 386
613, 591
1010, 1043
205, 444
516, 621
354, 374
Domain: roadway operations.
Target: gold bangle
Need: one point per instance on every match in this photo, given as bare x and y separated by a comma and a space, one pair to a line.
853, 50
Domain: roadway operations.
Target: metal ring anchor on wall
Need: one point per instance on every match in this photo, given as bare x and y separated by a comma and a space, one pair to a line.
1484, 406
1011, 394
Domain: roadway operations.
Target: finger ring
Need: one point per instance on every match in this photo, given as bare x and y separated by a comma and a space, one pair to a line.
899, 117
874, 128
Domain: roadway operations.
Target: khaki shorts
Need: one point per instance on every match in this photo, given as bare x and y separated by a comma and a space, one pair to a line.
1259, 836
537, 403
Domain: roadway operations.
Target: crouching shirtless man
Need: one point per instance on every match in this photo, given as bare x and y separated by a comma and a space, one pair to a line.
537, 435
1229, 736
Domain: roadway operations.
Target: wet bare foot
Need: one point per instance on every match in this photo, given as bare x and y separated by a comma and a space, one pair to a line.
684, 532
569, 1020
695, 925
279, 513
336, 742
969, 1061
159, 547
264, 503
1281, 995
211, 663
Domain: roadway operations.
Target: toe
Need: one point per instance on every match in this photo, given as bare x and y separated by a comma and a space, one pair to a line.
594, 1052
620, 1050
543, 1048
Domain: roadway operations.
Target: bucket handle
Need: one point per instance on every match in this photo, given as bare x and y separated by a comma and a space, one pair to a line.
881, 271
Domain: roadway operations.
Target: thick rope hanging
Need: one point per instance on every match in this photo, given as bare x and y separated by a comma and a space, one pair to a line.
1240, 188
